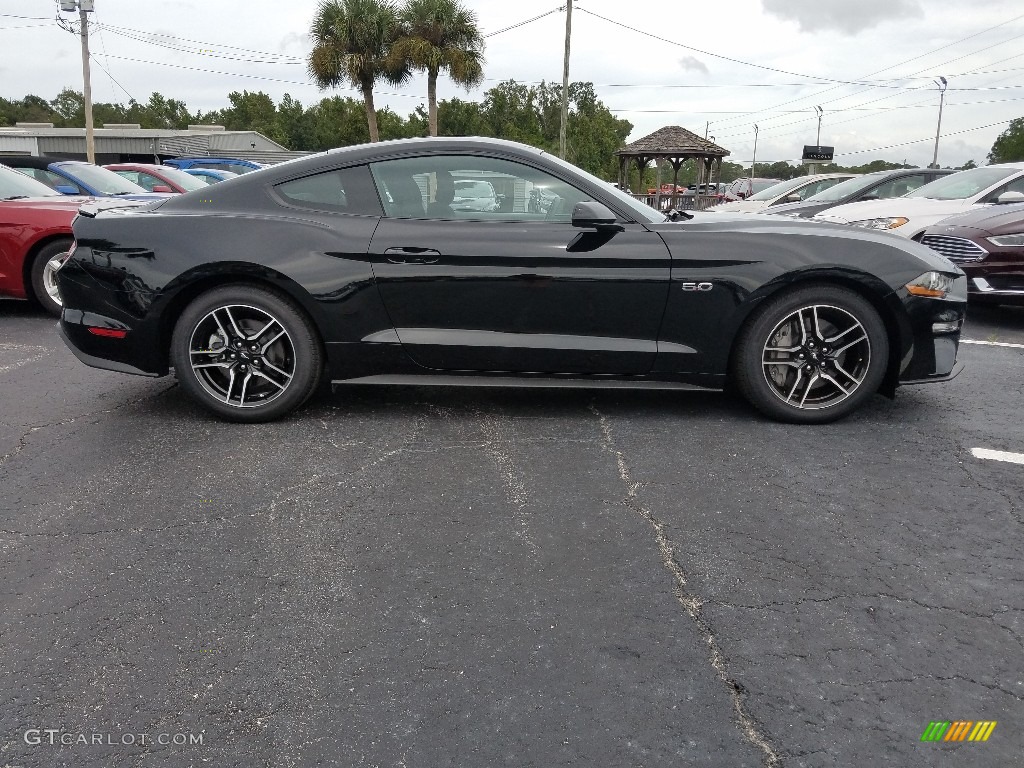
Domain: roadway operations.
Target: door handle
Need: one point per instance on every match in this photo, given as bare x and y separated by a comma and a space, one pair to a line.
412, 255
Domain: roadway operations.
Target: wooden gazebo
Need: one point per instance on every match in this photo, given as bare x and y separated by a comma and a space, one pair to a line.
677, 145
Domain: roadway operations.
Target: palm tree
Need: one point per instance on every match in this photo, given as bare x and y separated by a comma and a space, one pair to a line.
440, 36
352, 40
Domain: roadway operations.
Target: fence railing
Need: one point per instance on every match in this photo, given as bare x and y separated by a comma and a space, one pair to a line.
665, 201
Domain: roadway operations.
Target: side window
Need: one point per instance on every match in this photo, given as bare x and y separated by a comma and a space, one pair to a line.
1017, 185
347, 190
148, 181
818, 186
52, 179
454, 187
897, 187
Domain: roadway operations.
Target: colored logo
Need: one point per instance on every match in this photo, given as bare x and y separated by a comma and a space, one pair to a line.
958, 730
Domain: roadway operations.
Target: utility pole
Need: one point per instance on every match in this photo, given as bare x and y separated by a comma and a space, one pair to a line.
84, 8
941, 82
813, 168
754, 160
565, 81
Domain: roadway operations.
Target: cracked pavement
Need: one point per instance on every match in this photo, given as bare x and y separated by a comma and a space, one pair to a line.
427, 577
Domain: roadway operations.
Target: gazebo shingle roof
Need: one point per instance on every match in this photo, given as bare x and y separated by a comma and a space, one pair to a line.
673, 141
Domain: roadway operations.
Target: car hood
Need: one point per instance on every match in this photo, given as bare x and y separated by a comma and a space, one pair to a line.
679, 236
991, 219
894, 206
743, 206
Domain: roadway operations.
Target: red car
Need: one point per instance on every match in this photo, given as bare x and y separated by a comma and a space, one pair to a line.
35, 231
157, 178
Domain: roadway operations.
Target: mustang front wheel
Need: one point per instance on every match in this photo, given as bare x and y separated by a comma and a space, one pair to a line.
812, 355
246, 353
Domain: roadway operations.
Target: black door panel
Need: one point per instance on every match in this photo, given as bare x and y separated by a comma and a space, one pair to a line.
510, 296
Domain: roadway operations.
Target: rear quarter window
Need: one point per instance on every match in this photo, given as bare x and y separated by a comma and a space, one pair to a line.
346, 190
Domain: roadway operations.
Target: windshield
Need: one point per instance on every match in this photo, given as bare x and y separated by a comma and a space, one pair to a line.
642, 211
960, 186
845, 188
14, 184
775, 190
106, 182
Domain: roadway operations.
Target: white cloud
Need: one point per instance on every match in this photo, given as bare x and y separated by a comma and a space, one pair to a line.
848, 16
692, 63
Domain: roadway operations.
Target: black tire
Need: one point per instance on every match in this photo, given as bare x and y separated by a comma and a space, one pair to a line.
817, 375
40, 277
279, 367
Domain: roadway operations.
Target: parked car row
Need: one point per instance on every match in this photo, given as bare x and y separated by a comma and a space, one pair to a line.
40, 196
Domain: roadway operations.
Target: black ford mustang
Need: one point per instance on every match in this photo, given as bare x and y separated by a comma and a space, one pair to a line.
354, 265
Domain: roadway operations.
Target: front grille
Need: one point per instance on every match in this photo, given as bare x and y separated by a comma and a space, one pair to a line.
955, 248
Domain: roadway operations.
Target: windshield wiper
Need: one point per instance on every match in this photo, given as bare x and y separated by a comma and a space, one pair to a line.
14, 197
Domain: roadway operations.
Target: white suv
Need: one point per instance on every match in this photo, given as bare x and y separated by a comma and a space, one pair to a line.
911, 214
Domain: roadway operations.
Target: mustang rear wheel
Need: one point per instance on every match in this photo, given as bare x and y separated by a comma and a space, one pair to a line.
42, 274
246, 353
812, 355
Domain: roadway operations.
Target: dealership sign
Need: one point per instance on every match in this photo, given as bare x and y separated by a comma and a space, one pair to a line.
818, 154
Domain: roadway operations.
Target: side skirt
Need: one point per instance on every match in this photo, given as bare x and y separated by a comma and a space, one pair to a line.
455, 380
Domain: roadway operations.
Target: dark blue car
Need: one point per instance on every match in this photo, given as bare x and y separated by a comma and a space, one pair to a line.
215, 163
74, 177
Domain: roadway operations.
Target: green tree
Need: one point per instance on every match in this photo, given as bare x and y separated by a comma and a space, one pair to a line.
70, 106
1009, 146
509, 111
159, 112
440, 36
352, 41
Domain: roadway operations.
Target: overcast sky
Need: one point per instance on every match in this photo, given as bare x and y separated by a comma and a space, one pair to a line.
893, 48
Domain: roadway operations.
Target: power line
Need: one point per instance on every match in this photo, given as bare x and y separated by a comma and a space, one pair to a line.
251, 77
715, 55
920, 141
816, 97
521, 23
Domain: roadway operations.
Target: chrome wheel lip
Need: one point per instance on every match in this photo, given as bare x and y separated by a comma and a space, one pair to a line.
50, 279
248, 362
812, 335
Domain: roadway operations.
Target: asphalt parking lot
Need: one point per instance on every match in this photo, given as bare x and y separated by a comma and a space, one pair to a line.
428, 577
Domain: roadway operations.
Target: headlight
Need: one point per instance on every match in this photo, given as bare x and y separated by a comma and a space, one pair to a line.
932, 285
1016, 241
886, 222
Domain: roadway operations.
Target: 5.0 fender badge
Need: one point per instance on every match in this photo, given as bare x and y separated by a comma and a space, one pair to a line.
697, 286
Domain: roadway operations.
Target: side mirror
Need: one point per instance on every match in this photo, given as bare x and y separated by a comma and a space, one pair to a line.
67, 189
1010, 197
162, 188
594, 215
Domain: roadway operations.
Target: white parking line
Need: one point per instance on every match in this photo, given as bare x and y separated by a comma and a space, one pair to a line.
985, 453
992, 343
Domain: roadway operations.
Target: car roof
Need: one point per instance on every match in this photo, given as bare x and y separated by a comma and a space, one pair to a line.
441, 143
28, 161
146, 166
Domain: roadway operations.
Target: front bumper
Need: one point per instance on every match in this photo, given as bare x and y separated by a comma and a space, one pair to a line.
931, 335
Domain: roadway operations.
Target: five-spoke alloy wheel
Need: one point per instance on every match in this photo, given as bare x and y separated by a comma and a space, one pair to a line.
246, 353
812, 355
